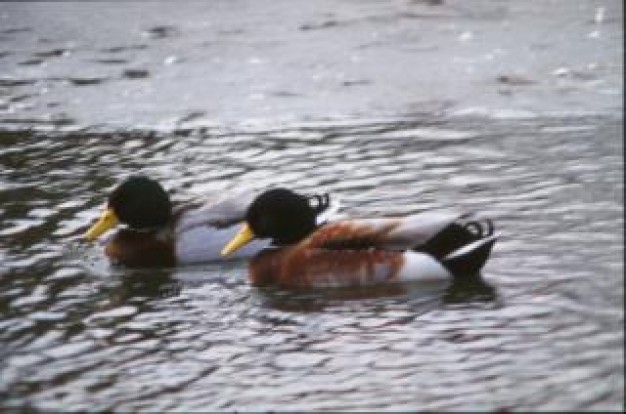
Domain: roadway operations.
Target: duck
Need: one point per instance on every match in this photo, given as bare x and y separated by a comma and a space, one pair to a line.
427, 246
152, 231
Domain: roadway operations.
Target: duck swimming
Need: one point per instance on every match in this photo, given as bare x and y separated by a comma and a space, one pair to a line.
159, 234
357, 252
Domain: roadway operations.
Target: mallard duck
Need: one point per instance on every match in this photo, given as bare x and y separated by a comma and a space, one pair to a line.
357, 252
159, 234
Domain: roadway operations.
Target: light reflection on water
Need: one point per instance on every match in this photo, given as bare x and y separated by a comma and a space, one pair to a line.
544, 332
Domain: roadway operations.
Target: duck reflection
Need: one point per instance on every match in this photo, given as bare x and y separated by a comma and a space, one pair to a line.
146, 285
467, 289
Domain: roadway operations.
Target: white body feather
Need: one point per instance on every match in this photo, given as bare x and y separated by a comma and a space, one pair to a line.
204, 243
422, 267
412, 230
202, 233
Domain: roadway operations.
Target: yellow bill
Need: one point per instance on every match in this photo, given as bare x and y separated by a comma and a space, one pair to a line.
243, 237
107, 221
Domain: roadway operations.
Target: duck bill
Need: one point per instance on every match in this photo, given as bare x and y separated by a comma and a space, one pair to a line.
243, 237
107, 221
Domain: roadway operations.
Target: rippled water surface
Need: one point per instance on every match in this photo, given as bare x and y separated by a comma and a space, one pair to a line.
509, 108
544, 332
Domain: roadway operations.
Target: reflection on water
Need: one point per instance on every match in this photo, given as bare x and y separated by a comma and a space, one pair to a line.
541, 330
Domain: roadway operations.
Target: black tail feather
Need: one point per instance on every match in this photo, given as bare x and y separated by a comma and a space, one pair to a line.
470, 258
455, 236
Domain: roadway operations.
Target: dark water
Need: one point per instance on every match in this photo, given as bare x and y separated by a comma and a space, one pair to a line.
544, 333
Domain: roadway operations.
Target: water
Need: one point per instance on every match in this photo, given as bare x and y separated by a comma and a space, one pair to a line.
91, 96
78, 334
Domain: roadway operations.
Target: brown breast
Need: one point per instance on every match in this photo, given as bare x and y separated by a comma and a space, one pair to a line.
141, 249
305, 267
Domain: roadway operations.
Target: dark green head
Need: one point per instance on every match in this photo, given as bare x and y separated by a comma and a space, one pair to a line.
141, 203
284, 216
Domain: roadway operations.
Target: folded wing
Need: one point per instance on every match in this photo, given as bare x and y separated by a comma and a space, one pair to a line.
407, 233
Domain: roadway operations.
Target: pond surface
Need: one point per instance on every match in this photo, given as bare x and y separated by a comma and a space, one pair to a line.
512, 109
544, 332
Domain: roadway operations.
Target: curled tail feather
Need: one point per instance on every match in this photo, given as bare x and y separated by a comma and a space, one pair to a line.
455, 236
469, 259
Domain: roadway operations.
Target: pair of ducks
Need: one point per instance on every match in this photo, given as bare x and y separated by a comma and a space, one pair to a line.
287, 239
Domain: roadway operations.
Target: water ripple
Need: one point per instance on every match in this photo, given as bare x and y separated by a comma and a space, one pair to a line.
544, 332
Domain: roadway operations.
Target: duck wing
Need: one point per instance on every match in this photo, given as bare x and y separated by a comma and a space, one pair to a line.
404, 233
221, 212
